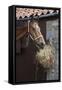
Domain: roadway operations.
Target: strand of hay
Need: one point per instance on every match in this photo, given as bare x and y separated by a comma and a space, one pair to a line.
45, 56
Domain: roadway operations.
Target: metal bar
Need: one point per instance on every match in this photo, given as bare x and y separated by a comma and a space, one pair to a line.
41, 16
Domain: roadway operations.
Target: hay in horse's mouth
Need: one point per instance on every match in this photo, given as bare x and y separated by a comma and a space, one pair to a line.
45, 56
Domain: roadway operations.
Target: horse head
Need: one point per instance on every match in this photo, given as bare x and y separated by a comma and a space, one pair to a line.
35, 34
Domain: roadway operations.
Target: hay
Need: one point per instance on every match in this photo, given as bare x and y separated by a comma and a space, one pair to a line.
45, 56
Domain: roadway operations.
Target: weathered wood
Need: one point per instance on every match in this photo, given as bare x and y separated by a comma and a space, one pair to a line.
20, 32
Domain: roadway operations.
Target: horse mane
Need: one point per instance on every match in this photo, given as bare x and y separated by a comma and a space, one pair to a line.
33, 21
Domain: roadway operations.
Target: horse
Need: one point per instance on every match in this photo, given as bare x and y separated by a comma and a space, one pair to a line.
31, 31
43, 47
